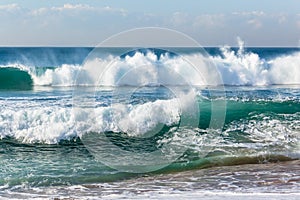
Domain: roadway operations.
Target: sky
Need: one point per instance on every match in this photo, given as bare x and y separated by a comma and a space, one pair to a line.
209, 22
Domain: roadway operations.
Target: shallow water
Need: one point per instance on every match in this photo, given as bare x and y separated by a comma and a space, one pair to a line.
278, 180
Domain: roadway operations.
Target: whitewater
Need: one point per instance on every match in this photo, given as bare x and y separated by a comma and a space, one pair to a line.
236, 67
236, 114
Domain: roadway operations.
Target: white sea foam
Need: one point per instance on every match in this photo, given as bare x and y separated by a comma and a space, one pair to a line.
52, 123
235, 68
61, 76
143, 69
240, 68
268, 133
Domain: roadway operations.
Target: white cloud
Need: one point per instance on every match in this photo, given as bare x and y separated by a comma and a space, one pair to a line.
255, 23
73, 7
85, 7
39, 11
215, 20
9, 7
179, 18
252, 13
282, 18
77, 8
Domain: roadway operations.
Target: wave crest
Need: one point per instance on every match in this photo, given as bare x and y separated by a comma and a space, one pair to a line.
236, 67
241, 68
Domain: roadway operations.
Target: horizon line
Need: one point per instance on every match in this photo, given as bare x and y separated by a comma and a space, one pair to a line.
79, 46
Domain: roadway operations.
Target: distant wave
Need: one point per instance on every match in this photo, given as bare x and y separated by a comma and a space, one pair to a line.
236, 67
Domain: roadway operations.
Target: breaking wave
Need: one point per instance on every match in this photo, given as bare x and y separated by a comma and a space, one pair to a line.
235, 67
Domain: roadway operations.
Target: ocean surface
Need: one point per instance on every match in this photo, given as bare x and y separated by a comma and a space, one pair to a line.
145, 123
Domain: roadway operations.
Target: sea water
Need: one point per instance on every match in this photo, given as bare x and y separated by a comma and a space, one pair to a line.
45, 151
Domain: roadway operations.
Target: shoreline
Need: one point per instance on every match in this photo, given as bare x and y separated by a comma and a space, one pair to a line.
262, 181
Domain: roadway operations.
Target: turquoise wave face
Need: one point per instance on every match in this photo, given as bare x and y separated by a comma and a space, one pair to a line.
15, 79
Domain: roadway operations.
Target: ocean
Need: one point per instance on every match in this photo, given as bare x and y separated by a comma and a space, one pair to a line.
88, 123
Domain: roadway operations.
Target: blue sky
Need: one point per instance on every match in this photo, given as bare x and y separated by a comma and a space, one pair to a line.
210, 22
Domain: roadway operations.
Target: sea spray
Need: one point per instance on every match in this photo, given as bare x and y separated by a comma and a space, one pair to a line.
236, 67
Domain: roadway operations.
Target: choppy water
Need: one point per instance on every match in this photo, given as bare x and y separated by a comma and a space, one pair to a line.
52, 114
